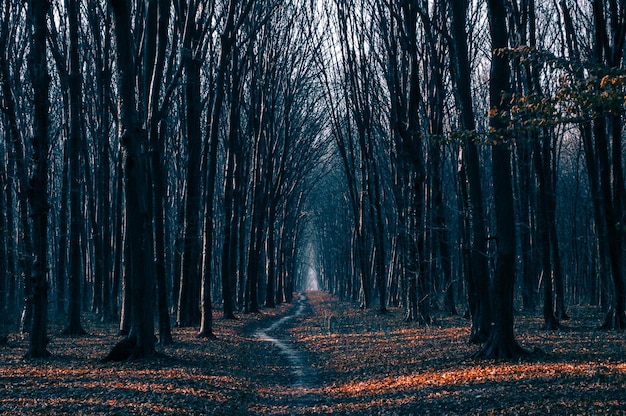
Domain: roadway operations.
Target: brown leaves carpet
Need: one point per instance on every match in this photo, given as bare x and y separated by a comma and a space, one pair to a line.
361, 363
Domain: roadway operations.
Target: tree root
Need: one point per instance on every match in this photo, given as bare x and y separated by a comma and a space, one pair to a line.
502, 348
207, 334
479, 336
122, 351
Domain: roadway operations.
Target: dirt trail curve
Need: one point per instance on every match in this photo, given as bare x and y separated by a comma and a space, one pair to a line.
303, 375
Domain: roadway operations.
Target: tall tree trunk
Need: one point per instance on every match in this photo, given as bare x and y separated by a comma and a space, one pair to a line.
188, 313
103, 212
527, 220
226, 45
140, 341
406, 101
441, 232
608, 49
191, 286
501, 342
74, 326
165, 330
256, 241
255, 203
542, 169
4, 254
435, 109
270, 253
559, 289
378, 231
121, 274
545, 157
591, 161
231, 193
478, 276
155, 44
62, 253
38, 192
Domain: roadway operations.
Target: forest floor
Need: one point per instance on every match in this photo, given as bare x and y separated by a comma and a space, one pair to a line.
350, 361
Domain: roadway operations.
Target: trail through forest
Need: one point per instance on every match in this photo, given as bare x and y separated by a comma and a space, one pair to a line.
304, 379
322, 356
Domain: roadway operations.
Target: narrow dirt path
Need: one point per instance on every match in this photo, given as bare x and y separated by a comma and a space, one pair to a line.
304, 378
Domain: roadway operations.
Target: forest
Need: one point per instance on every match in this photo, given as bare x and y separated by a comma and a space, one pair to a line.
175, 171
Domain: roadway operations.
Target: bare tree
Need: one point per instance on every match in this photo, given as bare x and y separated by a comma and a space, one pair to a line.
157, 99
501, 342
600, 126
12, 52
74, 326
478, 275
609, 23
187, 311
140, 341
236, 12
38, 193
98, 102
406, 97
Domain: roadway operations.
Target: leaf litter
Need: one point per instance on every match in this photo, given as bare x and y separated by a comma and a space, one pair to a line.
364, 364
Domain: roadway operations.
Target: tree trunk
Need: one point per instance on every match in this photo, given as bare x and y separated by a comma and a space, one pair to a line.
608, 49
165, 330
478, 276
226, 44
501, 342
441, 232
527, 221
232, 196
62, 253
542, 170
270, 294
74, 326
139, 262
38, 192
188, 313
559, 290
155, 44
122, 274
435, 103
4, 239
616, 318
102, 184
256, 201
